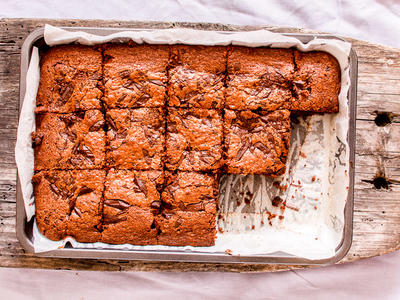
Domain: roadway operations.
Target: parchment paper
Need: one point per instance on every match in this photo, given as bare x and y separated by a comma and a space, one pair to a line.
317, 179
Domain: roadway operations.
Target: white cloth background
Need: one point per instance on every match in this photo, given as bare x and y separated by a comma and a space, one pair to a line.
377, 278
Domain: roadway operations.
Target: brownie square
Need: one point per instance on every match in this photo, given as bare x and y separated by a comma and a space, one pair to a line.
133, 188
186, 228
194, 140
316, 85
135, 139
196, 76
69, 203
70, 79
257, 142
135, 75
69, 141
259, 78
190, 191
131, 199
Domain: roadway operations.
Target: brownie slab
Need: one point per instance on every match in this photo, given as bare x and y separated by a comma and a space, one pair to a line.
316, 85
196, 76
135, 75
190, 191
131, 199
257, 142
259, 78
183, 228
68, 203
70, 79
193, 140
69, 141
135, 139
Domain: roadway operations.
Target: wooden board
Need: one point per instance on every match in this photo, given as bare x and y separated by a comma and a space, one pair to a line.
377, 182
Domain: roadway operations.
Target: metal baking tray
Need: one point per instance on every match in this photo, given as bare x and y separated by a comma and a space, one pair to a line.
24, 228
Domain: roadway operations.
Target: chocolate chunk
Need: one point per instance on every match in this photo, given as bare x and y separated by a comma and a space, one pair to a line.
277, 201
121, 98
77, 211
55, 189
68, 135
155, 204
110, 121
111, 219
257, 129
157, 82
97, 126
142, 99
261, 147
66, 92
125, 74
84, 190
85, 151
37, 139
117, 203
243, 149
199, 206
140, 184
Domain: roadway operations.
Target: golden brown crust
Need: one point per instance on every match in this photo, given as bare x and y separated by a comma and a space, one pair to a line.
190, 191
257, 143
134, 188
183, 228
69, 141
259, 78
70, 79
194, 140
135, 139
316, 84
135, 75
196, 76
69, 203
133, 225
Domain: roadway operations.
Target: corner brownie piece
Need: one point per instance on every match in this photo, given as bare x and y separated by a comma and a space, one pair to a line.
259, 78
69, 203
135, 75
69, 141
194, 140
257, 142
70, 79
316, 84
186, 228
131, 199
196, 78
135, 139
190, 191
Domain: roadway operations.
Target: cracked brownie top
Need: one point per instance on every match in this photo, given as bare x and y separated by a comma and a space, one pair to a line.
69, 141
135, 138
135, 75
70, 79
197, 76
69, 203
194, 140
256, 142
259, 78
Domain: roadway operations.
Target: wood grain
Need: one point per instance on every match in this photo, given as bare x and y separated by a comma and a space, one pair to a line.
376, 210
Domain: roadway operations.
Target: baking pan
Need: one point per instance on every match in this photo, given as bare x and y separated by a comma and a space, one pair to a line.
24, 228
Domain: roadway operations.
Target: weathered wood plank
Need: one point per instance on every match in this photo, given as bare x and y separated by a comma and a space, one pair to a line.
376, 211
